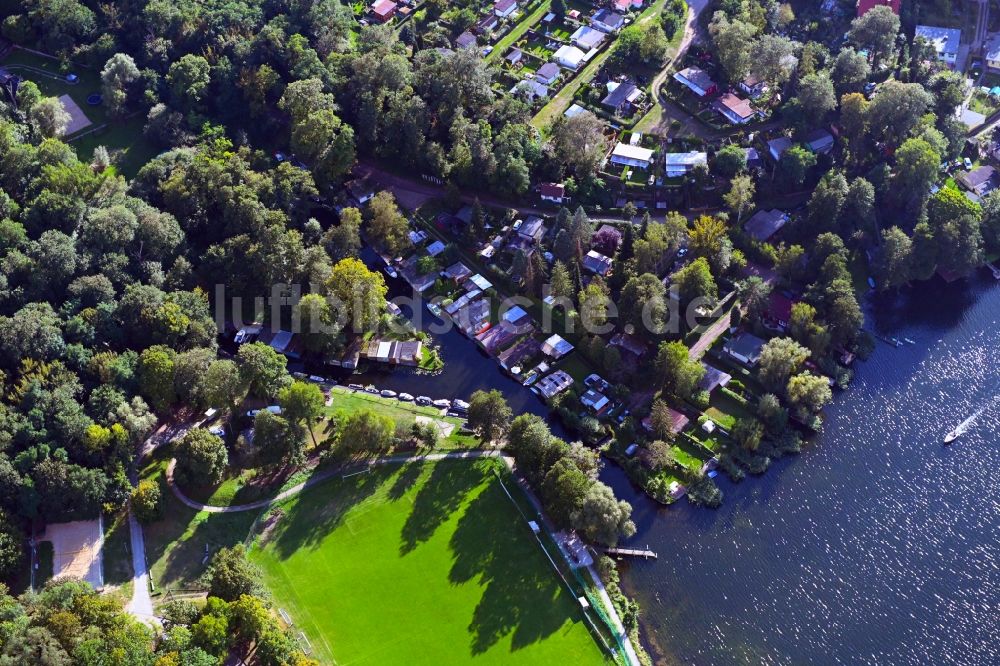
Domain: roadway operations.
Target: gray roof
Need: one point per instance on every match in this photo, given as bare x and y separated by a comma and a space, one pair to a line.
619, 95
765, 223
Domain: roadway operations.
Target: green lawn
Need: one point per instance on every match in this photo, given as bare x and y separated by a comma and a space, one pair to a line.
175, 545
120, 135
420, 564
116, 554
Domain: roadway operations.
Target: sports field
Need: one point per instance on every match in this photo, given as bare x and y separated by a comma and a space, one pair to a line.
420, 564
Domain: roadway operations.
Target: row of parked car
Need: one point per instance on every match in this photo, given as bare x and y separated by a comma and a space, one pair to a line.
456, 405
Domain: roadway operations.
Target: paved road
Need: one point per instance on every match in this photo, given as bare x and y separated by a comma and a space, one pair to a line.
709, 337
141, 604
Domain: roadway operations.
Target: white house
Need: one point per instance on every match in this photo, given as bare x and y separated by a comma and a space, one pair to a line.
569, 57
633, 156
587, 38
944, 40
504, 8
679, 164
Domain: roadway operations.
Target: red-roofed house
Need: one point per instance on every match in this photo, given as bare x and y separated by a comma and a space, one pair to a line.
553, 192
865, 5
383, 10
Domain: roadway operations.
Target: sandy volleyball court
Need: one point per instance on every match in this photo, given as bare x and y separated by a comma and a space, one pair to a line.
76, 550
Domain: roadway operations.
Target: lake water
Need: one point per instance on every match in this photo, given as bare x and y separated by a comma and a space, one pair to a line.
876, 545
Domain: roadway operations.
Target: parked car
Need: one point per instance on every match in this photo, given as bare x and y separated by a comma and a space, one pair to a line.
218, 431
386, 393
371, 389
460, 405
356, 387
406, 397
317, 379
967, 162
442, 403
274, 409
423, 400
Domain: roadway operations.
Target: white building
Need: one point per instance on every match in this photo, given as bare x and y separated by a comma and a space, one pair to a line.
569, 57
944, 40
679, 164
587, 38
633, 156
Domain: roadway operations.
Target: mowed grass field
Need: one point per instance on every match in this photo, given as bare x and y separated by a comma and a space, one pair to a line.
424, 563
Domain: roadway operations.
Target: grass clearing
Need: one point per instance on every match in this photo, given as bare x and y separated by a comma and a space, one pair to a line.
420, 564
176, 545
124, 135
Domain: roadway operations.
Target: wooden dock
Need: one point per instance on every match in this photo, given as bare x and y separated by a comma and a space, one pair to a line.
632, 552
994, 269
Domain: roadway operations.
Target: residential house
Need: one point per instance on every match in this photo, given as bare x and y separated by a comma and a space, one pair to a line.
420, 282
393, 352
554, 192
574, 110
622, 97
753, 86
436, 248
991, 52
515, 56
569, 57
765, 223
735, 110
556, 347
530, 89
516, 319
979, 181
487, 25
753, 158
361, 190
516, 355
633, 156
713, 378
283, 342
819, 141
607, 21
777, 147
554, 384
597, 263
864, 6
531, 231
596, 402
587, 38
779, 310
547, 73
473, 318
678, 421
465, 41
630, 343
495, 338
504, 8
944, 40
384, 10
477, 281
680, 164
457, 272
697, 81
744, 348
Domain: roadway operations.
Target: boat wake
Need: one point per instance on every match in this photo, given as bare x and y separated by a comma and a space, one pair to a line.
964, 426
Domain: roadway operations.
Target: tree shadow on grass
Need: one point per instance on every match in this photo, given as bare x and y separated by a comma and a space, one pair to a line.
321, 509
406, 480
522, 595
438, 498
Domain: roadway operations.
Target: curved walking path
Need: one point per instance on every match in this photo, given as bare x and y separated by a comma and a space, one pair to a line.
320, 477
